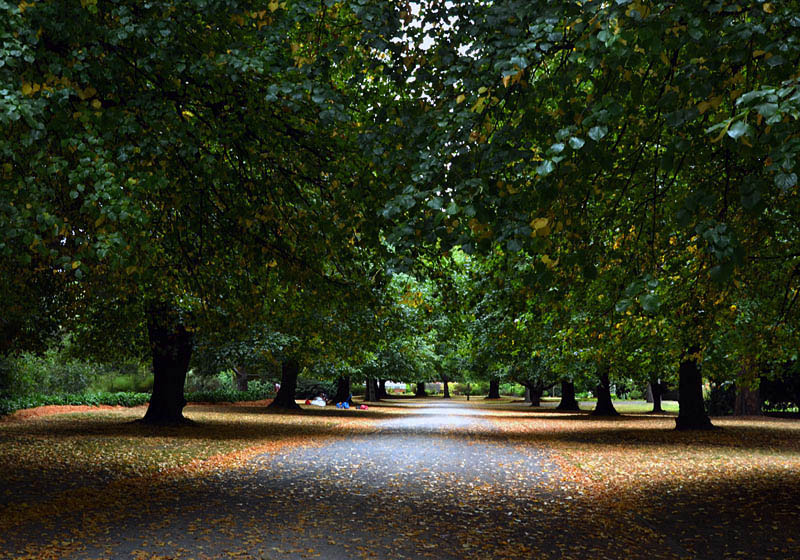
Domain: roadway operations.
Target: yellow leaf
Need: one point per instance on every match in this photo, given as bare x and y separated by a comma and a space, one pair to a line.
27, 89
703, 107
76, 264
87, 93
539, 223
768, 7
460, 99
96, 104
273, 6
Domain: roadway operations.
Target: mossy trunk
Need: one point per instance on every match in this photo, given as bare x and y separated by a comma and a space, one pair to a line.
691, 412
171, 347
568, 402
285, 399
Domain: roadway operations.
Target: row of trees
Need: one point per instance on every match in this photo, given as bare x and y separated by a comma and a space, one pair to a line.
574, 188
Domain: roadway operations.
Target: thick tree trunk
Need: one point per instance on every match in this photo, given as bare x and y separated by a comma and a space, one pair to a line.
568, 402
748, 401
285, 399
343, 390
370, 394
240, 375
171, 347
748, 397
656, 390
527, 397
420, 390
494, 389
382, 394
446, 383
604, 406
535, 393
691, 409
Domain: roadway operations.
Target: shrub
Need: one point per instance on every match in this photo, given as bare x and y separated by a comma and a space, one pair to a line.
9, 405
513, 389
310, 388
721, 399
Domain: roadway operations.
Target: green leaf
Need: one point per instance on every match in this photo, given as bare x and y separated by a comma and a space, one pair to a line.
785, 181
546, 167
597, 132
623, 305
436, 203
576, 143
650, 302
738, 129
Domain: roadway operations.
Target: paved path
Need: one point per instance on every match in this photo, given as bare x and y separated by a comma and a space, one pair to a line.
436, 483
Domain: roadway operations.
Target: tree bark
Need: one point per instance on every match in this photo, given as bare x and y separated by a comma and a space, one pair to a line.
656, 390
568, 402
285, 399
604, 406
748, 397
420, 391
494, 389
527, 392
171, 347
240, 376
382, 394
370, 395
691, 409
343, 390
446, 383
535, 393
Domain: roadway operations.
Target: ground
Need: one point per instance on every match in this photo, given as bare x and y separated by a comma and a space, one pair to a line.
408, 478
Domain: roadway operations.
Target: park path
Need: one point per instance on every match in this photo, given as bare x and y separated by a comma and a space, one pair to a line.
435, 482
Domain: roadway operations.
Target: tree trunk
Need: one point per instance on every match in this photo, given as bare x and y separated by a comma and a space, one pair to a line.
446, 383
343, 391
370, 394
691, 410
494, 389
648, 394
656, 390
420, 391
535, 394
604, 406
171, 347
748, 402
748, 397
382, 394
527, 392
568, 402
285, 399
240, 375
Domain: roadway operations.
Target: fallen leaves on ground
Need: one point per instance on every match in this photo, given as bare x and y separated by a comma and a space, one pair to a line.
405, 479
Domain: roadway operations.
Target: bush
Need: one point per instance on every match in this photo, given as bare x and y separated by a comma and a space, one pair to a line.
9, 405
721, 399
30, 374
512, 389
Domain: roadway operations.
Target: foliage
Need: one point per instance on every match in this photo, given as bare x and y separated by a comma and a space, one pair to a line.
9, 405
